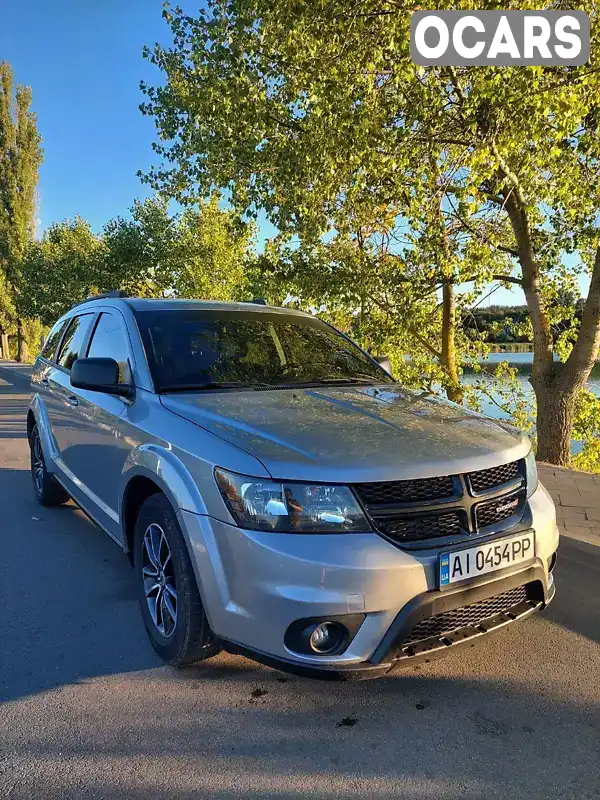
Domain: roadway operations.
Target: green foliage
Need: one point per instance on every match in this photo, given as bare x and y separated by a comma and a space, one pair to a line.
587, 431
140, 254
61, 269
215, 251
20, 158
202, 252
503, 389
34, 332
8, 311
298, 110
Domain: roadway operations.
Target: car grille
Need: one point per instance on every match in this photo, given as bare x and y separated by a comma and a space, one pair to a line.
421, 490
495, 511
411, 529
445, 507
473, 615
485, 479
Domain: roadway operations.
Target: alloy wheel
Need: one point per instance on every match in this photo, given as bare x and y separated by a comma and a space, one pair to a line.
159, 580
37, 463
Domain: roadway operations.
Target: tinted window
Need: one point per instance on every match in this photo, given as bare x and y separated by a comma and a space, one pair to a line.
74, 339
193, 348
110, 341
52, 341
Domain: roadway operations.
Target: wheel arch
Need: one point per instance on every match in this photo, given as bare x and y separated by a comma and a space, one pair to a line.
31, 422
151, 469
137, 491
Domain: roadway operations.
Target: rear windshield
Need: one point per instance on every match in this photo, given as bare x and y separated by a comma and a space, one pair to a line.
196, 349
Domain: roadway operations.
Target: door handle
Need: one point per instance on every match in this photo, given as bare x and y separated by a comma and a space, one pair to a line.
72, 400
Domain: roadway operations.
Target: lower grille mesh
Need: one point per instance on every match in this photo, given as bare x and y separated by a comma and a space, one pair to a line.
467, 615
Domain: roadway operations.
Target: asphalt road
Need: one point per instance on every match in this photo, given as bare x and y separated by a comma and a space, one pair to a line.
88, 711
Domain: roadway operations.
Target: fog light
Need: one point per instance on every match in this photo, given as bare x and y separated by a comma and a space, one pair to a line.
326, 637
329, 636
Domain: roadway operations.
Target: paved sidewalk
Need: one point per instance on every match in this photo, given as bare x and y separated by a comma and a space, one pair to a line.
577, 498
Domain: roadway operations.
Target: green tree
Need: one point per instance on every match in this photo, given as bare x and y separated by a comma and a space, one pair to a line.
203, 251
216, 253
315, 112
20, 158
64, 267
141, 249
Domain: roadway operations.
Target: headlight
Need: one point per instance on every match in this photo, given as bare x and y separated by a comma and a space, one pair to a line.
265, 505
531, 473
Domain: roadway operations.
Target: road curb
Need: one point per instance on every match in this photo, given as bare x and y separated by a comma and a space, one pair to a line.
588, 538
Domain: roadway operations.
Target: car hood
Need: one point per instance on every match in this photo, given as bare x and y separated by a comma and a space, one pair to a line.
352, 434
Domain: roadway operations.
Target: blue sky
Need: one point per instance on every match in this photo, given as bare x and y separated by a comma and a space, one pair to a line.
83, 60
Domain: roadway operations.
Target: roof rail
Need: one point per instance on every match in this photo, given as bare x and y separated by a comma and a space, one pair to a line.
119, 293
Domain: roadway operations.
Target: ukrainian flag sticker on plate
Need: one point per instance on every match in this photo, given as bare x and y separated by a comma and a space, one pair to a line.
445, 569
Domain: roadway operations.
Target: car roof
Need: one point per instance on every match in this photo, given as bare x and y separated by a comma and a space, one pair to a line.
173, 304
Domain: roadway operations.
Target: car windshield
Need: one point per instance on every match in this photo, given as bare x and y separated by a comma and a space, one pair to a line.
204, 349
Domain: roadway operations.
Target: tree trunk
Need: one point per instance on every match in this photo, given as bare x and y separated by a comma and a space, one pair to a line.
556, 386
445, 267
555, 418
4, 345
448, 360
22, 348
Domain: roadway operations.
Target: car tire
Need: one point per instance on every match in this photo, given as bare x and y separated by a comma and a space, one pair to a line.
48, 491
168, 592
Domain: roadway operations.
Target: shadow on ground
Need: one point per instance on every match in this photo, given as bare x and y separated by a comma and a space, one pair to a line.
69, 610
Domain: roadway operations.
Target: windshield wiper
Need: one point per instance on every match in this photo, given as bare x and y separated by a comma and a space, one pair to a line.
332, 381
200, 387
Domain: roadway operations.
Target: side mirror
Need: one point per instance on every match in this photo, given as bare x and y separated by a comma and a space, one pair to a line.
99, 375
384, 363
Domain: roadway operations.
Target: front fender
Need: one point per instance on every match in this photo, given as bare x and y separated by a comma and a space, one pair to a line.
162, 466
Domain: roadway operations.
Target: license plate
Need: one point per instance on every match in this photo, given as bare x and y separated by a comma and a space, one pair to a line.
461, 565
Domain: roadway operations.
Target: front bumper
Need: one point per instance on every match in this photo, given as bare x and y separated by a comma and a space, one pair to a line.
255, 584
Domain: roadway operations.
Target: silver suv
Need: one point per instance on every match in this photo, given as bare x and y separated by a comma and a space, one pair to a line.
279, 494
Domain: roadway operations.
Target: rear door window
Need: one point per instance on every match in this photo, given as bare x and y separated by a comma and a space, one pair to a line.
75, 337
49, 348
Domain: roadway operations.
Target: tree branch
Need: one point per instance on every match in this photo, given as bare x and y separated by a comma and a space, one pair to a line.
421, 339
507, 278
456, 84
482, 239
531, 282
494, 198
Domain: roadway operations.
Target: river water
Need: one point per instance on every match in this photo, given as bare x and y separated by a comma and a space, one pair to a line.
523, 362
